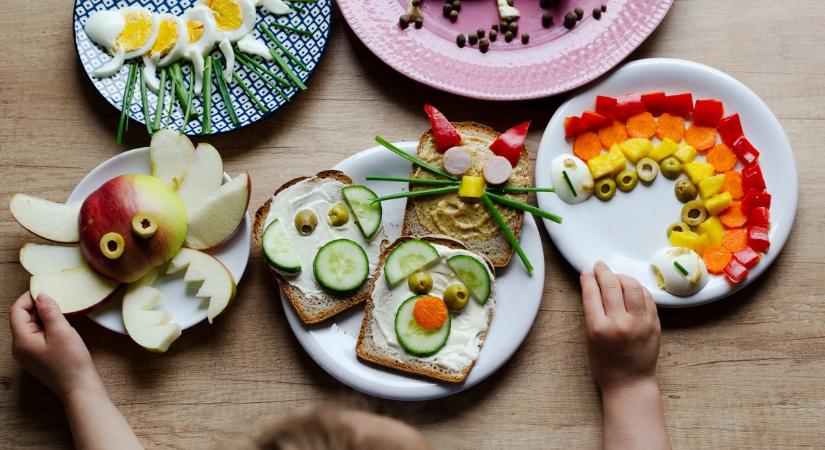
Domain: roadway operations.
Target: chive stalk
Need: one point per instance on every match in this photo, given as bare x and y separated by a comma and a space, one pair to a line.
144, 100
128, 95
288, 70
189, 99
421, 181
262, 76
301, 31
569, 183
681, 268
418, 162
227, 101
508, 233
251, 94
520, 190
284, 50
206, 119
249, 62
160, 104
419, 193
524, 207
177, 75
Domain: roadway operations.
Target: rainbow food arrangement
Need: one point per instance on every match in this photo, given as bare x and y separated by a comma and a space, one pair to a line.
724, 224
133, 228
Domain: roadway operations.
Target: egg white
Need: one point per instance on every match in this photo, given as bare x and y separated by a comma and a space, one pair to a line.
104, 27
152, 61
674, 281
579, 175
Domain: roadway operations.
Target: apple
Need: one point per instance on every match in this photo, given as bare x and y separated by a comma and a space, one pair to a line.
39, 259
203, 176
130, 225
49, 220
170, 153
220, 214
152, 329
76, 290
218, 284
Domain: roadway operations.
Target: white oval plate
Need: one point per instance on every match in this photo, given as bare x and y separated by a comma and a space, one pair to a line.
177, 296
626, 231
332, 343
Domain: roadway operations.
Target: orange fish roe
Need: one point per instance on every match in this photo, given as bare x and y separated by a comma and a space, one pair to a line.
430, 312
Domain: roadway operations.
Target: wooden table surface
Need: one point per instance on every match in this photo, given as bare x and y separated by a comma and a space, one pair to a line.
745, 372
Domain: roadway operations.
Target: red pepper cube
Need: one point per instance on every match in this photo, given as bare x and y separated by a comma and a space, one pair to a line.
748, 257
758, 239
679, 104
606, 106
594, 121
510, 144
752, 178
735, 271
629, 105
444, 134
573, 126
760, 217
745, 151
708, 112
755, 199
730, 130
654, 102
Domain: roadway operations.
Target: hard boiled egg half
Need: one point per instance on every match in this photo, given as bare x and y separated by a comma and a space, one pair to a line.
577, 186
168, 47
668, 264
125, 33
234, 20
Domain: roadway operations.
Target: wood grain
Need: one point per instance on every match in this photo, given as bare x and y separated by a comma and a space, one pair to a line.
744, 373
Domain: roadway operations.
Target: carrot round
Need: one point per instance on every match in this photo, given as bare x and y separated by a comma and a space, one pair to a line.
733, 184
733, 217
701, 138
722, 158
642, 125
587, 146
716, 258
735, 239
430, 312
612, 134
672, 127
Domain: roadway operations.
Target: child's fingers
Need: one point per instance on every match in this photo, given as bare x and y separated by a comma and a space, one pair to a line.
20, 315
49, 312
634, 300
611, 290
650, 305
591, 298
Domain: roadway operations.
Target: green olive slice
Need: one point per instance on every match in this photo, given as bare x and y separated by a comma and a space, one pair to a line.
685, 190
694, 213
647, 169
677, 226
626, 180
671, 167
605, 189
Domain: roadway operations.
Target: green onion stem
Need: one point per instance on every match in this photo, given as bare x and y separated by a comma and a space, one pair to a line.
251, 63
421, 181
295, 7
681, 268
508, 233
160, 104
177, 75
126, 104
144, 100
520, 190
524, 207
301, 31
422, 164
262, 76
189, 98
227, 100
206, 119
569, 183
284, 50
251, 94
419, 193
288, 70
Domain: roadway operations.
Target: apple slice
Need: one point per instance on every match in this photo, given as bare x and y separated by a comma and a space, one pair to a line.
49, 220
218, 284
170, 152
152, 329
39, 259
219, 216
76, 290
203, 177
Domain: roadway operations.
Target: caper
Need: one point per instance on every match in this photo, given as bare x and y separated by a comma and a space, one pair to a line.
677, 226
647, 169
626, 180
306, 221
420, 283
605, 189
339, 215
685, 190
694, 213
456, 296
671, 167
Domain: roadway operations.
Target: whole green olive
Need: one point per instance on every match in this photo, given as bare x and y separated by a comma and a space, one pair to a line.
626, 180
647, 169
677, 226
456, 296
339, 215
420, 283
694, 212
685, 190
306, 221
671, 167
605, 189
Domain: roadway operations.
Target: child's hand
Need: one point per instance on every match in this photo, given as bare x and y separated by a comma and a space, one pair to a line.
47, 346
623, 328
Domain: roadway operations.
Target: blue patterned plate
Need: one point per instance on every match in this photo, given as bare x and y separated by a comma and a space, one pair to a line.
315, 16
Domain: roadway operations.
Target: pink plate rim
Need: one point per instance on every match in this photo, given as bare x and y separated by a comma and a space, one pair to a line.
534, 71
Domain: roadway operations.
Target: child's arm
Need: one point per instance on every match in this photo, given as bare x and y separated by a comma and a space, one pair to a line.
623, 333
49, 348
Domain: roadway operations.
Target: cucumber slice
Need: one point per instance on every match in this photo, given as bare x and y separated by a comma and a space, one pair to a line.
365, 207
408, 258
473, 274
415, 340
278, 250
341, 266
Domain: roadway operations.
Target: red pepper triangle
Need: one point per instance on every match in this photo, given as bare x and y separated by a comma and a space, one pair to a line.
444, 133
511, 142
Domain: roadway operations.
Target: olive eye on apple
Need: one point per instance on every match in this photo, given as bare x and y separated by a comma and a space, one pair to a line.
112, 245
144, 224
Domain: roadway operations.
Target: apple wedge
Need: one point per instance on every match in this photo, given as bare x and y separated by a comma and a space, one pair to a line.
76, 290
153, 329
50, 220
220, 214
203, 176
218, 284
39, 259
170, 153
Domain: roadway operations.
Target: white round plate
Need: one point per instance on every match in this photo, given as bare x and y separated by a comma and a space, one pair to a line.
626, 231
332, 343
177, 296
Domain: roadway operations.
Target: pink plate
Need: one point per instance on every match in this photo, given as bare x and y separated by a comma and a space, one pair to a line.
555, 60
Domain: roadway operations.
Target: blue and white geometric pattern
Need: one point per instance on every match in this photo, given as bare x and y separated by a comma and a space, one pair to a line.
315, 16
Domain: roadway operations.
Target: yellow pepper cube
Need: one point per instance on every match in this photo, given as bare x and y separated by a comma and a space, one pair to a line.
702, 242
685, 239
718, 203
713, 229
636, 148
618, 161
471, 187
711, 186
600, 166
698, 171
664, 149
686, 153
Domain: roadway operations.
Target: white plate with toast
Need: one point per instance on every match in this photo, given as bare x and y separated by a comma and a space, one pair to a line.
332, 343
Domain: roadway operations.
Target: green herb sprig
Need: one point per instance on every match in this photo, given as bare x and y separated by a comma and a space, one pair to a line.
419, 193
216, 62
128, 95
680, 268
569, 183
524, 207
508, 233
421, 181
206, 119
144, 101
161, 97
291, 56
418, 162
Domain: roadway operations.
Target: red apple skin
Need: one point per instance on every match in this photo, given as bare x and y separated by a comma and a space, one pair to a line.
111, 208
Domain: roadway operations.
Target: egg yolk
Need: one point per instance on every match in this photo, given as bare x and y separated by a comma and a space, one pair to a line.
228, 15
167, 37
137, 30
194, 28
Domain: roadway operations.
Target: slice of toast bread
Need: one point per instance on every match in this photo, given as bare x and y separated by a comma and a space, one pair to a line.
368, 350
497, 248
313, 308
